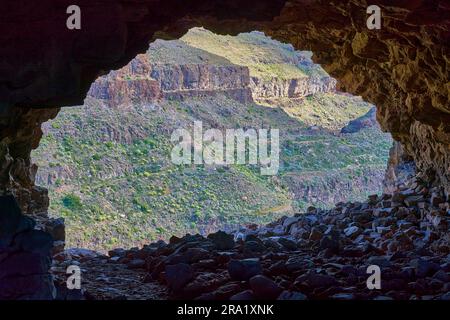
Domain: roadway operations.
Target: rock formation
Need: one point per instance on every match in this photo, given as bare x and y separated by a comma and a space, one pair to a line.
25, 255
401, 68
293, 88
146, 81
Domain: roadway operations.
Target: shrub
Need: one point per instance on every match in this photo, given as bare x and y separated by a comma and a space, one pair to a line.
72, 202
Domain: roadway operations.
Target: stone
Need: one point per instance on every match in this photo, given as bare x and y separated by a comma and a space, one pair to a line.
292, 295
226, 291
178, 275
118, 252
353, 231
56, 228
278, 230
204, 282
264, 288
383, 298
424, 268
413, 200
222, 240
381, 261
373, 199
288, 243
296, 263
277, 268
445, 296
242, 296
328, 242
136, 264
196, 254
436, 200
443, 276
315, 234
317, 280
288, 222
343, 296
243, 270
251, 247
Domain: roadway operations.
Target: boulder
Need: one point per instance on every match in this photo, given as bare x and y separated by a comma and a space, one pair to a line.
264, 288
222, 240
243, 270
178, 275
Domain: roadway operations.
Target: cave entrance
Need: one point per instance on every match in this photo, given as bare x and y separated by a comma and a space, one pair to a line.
107, 164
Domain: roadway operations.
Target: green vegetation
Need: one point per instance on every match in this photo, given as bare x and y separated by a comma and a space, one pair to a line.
109, 172
328, 110
266, 58
127, 192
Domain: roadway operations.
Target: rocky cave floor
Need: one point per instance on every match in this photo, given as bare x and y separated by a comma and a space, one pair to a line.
322, 254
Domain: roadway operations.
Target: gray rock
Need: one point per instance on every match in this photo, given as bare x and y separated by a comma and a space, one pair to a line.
380, 261
288, 243
178, 275
292, 295
289, 221
222, 240
343, 296
424, 268
264, 288
244, 295
298, 263
317, 280
119, 252
243, 270
136, 264
352, 231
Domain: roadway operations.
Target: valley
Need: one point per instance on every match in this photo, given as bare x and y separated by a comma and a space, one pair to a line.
107, 163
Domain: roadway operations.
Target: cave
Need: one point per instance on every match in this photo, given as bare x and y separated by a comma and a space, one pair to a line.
402, 68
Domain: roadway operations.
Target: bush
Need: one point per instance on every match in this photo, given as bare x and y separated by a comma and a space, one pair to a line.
72, 202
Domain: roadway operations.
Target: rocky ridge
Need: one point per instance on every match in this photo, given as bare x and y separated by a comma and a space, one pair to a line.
161, 74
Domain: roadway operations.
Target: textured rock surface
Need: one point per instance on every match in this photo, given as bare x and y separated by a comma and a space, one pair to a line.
25, 255
399, 170
146, 81
290, 88
20, 133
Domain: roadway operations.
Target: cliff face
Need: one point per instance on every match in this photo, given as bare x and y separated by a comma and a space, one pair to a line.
202, 79
194, 73
276, 88
119, 89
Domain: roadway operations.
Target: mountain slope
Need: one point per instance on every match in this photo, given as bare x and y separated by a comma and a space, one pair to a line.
107, 163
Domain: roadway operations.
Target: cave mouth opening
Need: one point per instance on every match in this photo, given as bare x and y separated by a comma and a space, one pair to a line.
107, 164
